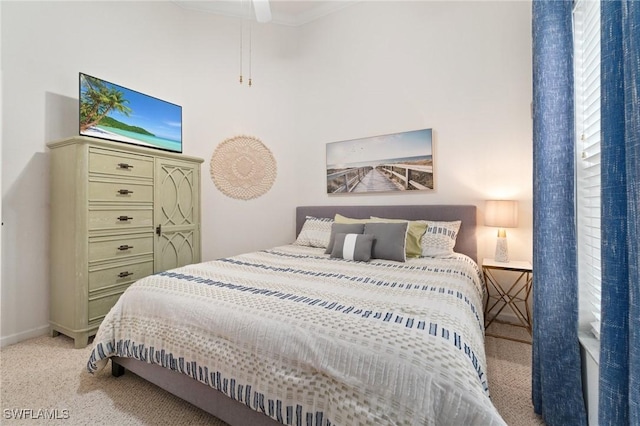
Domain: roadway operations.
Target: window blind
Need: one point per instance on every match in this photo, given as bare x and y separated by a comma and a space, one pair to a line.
587, 110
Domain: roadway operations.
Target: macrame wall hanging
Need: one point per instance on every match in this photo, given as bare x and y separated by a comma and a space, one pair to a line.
243, 167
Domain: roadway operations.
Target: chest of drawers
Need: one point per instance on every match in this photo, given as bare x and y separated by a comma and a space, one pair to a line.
118, 213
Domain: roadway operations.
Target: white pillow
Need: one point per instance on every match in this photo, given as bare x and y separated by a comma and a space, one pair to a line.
439, 238
316, 232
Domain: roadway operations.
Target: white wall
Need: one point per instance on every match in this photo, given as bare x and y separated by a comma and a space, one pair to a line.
1, 126
157, 48
461, 68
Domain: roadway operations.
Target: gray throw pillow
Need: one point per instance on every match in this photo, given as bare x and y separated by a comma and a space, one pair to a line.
390, 240
353, 246
344, 228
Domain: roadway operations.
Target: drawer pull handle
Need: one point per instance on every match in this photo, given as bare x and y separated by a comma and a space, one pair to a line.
125, 247
124, 218
125, 166
124, 192
124, 274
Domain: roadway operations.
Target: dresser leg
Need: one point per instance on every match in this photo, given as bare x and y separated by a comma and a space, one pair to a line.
53, 333
81, 341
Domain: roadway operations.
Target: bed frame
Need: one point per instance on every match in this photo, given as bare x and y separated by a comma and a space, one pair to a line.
237, 413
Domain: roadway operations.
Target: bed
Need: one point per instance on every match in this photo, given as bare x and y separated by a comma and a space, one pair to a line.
302, 334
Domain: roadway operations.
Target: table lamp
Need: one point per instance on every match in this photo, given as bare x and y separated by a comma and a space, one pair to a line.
501, 214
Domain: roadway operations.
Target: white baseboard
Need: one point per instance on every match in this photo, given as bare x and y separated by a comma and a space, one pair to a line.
25, 335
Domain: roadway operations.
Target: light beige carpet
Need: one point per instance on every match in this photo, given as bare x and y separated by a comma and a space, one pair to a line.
509, 370
46, 377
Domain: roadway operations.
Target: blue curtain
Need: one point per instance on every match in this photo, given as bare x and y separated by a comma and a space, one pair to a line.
557, 382
619, 401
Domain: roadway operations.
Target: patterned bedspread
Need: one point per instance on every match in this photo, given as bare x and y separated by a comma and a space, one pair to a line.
309, 339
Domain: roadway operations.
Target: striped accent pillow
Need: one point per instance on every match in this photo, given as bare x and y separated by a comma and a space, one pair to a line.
315, 232
353, 246
344, 228
439, 238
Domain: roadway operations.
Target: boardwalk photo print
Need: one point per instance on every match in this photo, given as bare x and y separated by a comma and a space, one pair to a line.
396, 162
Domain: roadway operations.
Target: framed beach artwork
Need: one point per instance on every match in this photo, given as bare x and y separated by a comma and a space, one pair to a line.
394, 162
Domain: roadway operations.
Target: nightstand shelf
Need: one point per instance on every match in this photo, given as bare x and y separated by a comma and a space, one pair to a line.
514, 293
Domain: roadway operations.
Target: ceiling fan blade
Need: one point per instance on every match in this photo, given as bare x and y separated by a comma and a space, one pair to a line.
263, 10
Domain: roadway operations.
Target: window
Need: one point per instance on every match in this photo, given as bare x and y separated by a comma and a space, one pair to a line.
587, 109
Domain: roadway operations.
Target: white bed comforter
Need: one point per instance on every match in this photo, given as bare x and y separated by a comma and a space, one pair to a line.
303, 337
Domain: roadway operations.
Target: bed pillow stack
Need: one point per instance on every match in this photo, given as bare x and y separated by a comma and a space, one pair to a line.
425, 238
389, 238
393, 239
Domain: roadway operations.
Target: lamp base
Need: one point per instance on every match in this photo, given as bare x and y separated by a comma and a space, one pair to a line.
502, 251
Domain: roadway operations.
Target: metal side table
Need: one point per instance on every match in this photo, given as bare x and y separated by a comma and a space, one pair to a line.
514, 293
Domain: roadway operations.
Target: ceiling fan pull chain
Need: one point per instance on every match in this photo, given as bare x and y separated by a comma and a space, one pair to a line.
241, 36
250, 26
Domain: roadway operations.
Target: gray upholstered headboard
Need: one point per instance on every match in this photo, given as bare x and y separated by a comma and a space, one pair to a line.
466, 242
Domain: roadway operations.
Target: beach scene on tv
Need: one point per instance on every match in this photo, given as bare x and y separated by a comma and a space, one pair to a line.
396, 162
113, 112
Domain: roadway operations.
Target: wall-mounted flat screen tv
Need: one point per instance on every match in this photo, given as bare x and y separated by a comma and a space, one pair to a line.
113, 112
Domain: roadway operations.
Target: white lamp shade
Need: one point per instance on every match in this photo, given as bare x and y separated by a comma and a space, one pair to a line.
501, 213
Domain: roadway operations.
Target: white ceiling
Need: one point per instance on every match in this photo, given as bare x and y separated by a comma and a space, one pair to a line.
283, 12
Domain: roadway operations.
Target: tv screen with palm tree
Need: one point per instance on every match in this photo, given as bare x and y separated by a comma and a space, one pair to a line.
113, 112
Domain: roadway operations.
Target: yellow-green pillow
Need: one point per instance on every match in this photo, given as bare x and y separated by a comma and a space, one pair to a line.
338, 218
416, 230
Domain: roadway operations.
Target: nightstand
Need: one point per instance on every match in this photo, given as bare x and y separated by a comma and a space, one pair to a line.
514, 293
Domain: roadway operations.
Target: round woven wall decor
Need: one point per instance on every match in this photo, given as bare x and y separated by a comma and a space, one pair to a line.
243, 167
